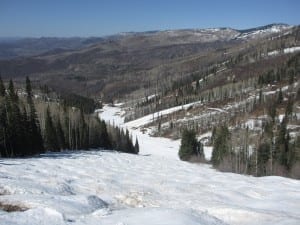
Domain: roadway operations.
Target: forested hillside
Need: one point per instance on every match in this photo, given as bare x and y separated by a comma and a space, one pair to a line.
29, 126
246, 107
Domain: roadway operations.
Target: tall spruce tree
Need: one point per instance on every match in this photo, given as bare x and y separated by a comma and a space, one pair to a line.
34, 132
14, 123
2, 88
189, 146
104, 137
136, 146
3, 120
221, 145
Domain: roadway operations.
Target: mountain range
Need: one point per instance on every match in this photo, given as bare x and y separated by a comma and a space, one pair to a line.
113, 66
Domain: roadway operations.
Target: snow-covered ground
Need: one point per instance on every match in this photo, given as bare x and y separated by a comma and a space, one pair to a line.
148, 145
153, 188
285, 51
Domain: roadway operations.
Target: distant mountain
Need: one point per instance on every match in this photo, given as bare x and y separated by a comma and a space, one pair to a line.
23, 47
262, 31
117, 65
274, 26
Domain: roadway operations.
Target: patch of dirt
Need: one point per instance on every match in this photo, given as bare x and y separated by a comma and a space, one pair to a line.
12, 207
4, 191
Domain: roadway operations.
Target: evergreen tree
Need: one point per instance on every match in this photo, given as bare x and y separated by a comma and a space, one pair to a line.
34, 131
221, 145
272, 111
262, 158
136, 146
2, 88
14, 123
3, 120
104, 138
284, 149
25, 135
280, 97
289, 107
3, 128
189, 146
12, 93
129, 148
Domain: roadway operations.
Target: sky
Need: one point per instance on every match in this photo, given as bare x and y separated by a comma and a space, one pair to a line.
85, 18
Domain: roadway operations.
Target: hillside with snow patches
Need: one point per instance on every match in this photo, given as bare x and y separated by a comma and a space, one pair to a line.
152, 188
262, 31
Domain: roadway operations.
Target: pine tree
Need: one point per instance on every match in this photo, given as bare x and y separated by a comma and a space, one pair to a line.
34, 131
136, 146
280, 97
3, 126
12, 93
289, 107
2, 88
104, 138
14, 123
24, 134
189, 145
221, 145
284, 149
262, 158
272, 112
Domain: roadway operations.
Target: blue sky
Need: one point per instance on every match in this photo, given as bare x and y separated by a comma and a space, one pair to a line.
65, 18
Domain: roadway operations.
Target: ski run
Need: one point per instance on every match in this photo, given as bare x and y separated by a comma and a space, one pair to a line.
152, 188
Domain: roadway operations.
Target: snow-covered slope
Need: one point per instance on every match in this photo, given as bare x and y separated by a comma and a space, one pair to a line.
122, 189
263, 31
95, 188
148, 146
113, 188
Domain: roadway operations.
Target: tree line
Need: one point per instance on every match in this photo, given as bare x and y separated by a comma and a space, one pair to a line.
55, 127
275, 152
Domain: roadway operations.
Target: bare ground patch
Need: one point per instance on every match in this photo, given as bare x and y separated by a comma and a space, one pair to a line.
12, 207
4, 191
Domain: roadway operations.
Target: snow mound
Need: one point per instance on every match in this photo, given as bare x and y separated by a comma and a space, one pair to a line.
157, 216
37, 216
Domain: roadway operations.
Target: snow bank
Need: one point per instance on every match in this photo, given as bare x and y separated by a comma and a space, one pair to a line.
285, 51
152, 117
291, 50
